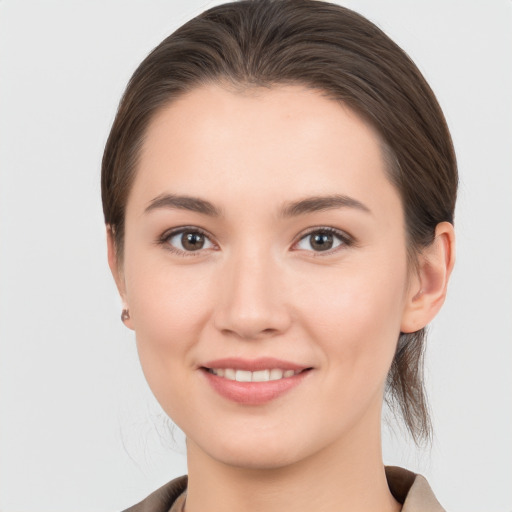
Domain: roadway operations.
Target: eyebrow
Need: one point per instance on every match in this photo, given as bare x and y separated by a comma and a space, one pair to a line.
291, 209
193, 204
322, 203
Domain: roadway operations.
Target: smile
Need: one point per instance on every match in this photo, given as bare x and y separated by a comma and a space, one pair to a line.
256, 376
251, 382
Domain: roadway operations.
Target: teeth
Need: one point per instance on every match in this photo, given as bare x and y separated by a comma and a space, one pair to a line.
257, 376
261, 376
276, 374
230, 374
243, 376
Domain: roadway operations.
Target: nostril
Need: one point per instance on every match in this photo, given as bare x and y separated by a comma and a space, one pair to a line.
247, 332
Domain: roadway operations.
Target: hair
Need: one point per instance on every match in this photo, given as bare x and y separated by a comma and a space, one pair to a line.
263, 43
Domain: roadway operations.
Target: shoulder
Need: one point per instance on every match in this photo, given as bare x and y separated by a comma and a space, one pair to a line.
162, 499
412, 490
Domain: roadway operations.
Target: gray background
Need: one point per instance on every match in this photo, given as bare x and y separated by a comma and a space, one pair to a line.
79, 429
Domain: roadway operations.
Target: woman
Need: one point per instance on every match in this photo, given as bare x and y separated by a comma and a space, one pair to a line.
278, 188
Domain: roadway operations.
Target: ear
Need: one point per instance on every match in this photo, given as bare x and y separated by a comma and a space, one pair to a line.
117, 271
427, 289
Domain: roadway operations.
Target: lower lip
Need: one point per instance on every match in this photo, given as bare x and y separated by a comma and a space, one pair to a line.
253, 393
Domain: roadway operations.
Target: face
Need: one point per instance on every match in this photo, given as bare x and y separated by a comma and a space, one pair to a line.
265, 270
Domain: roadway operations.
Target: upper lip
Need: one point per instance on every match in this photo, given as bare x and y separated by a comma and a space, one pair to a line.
252, 365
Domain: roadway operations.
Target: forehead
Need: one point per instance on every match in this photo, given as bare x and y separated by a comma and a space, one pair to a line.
272, 142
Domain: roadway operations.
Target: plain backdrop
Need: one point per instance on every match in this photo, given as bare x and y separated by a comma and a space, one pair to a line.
79, 429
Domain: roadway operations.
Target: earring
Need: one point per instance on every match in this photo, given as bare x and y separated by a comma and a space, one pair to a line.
125, 315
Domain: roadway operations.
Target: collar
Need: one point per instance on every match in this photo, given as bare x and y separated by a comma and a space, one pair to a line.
408, 488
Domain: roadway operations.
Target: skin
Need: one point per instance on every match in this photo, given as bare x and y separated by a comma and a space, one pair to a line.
259, 288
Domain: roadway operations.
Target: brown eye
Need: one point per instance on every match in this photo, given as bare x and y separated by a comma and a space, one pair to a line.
189, 241
192, 241
322, 240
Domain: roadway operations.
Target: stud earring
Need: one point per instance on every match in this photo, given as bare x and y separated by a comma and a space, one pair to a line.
125, 315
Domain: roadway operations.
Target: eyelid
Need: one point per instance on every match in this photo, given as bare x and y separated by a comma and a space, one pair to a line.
347, 239
164, 238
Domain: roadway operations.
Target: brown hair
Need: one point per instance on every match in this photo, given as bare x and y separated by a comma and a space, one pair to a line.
326, 47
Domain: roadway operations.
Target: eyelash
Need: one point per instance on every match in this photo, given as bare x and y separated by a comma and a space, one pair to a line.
345, 239
167, 235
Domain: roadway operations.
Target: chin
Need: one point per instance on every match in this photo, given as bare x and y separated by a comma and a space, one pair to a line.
256, 452
258, 459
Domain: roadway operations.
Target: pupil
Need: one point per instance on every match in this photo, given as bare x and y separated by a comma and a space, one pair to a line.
322, 241
192, 241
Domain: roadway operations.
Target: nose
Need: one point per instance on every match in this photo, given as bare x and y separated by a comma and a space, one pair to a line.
252, 302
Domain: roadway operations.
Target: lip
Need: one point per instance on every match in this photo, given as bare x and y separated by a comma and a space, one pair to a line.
253, 393
253, 365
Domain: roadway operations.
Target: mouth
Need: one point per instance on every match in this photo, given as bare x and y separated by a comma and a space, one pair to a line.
266, 375
254, 382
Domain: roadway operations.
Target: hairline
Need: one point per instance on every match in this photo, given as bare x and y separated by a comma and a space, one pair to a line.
235, 86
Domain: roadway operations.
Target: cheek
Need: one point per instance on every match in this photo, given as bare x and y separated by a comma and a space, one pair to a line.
355, 314
169, 308
164, 298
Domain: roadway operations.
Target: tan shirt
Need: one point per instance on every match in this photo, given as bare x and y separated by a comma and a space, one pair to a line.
408, 488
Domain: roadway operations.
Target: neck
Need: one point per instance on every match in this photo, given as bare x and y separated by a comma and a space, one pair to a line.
346, 476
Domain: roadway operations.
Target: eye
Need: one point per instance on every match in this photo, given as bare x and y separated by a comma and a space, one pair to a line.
187, 240
321, 240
